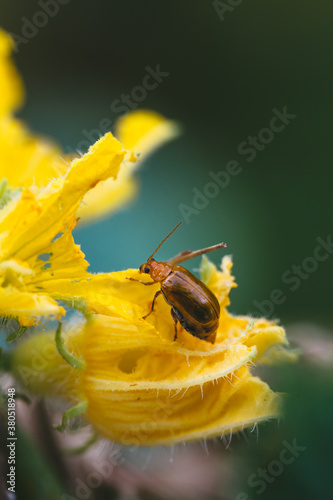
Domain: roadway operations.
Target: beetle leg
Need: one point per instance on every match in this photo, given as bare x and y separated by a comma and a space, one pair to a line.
153, 303
142, 282
174, 317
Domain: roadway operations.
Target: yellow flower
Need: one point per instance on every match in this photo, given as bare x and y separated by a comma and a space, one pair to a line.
29, 224
39, 261
27, 159
137, 385
37, 208
141, 387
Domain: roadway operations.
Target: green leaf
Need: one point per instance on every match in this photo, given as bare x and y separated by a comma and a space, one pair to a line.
34, 476
16, 334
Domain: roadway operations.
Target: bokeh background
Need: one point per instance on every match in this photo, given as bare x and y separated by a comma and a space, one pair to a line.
228, 67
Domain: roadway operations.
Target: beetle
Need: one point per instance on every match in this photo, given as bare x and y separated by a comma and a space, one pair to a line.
193, 305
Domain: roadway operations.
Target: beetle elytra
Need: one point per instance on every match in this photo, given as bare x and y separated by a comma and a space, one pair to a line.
193, 305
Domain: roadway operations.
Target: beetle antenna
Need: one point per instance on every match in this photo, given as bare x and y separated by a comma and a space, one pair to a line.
189, 254
159, 246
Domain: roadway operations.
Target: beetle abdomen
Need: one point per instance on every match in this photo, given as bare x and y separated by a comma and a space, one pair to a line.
184, 322
194, 305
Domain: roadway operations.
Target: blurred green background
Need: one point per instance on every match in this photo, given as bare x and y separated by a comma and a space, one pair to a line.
227, 71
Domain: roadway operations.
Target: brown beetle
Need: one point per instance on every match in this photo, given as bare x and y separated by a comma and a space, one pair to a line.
192, 303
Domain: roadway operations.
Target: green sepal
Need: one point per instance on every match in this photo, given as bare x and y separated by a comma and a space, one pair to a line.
7, 193
75, 362
73, 412
206, 269
16, 334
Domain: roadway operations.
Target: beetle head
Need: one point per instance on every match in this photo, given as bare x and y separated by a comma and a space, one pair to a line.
157, 270
146, 267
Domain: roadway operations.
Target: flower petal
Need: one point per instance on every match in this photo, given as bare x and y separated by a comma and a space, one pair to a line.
134, 414
31, 221
149, 363
11, 91
110, 195
170, 417
143, 131
28, 307
36, 159
41, 369
115, 295
219, 282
